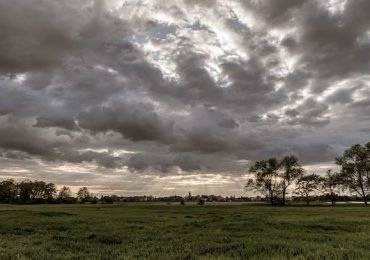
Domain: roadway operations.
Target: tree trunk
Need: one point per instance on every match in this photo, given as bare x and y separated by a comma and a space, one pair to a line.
284, 191
271, 198
363, 191
332, 199
363, 194
307, 200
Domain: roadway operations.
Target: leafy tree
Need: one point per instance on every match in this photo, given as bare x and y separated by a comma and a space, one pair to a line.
291, 171
331, 184
64, 193
355, 169
307, 184
8, 190
42, 190
25, 190
36, 190
50, 191
94, 200
265, 179
83, 194
108, 199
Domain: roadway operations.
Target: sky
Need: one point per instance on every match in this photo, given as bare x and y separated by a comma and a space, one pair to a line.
135, 97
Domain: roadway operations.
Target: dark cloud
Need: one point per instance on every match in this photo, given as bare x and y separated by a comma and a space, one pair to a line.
54, 122
310, 113
275, 12
37, 34
137, 122
342, 96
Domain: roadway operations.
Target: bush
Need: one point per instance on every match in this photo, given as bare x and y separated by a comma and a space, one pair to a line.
182, 202
201, 202
109, 200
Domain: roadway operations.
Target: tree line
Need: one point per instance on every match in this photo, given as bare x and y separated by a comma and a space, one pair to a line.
273, 178
33, 192
28, 192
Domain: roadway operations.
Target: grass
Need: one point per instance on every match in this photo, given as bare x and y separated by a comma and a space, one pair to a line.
144, 231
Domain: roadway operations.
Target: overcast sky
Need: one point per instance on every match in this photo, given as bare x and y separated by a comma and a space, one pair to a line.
165, 97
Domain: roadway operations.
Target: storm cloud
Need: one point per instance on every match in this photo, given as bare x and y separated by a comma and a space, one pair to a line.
180, 88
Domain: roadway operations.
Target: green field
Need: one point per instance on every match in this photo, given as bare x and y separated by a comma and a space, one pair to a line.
144, 231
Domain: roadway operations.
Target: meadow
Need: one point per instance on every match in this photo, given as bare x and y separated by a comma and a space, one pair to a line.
147, 231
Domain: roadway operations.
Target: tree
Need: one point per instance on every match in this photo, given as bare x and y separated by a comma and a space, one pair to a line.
265, 178
36, 190
331, 184
49, 191
42, 190
355, 169
291, 170
83, 194
64, 193
8, 190
25, 190
108, 199
94, 200
306, 184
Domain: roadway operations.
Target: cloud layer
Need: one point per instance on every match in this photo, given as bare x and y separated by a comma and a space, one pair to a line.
186, 88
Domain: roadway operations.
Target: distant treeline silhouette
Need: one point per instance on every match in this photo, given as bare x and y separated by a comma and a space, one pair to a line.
273, 178
28, 192
35, 192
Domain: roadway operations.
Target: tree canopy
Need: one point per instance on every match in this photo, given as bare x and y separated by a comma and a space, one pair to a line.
355, 169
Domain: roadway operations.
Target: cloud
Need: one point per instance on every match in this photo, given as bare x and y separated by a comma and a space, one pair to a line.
37, 35
136, 122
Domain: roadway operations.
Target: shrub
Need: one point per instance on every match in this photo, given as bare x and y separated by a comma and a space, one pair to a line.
109, 200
